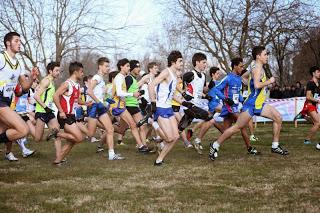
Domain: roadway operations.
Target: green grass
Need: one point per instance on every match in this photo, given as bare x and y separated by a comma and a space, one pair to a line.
188, 182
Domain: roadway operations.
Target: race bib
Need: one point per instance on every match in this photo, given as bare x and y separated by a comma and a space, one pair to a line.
235, 98
50, 105
8, 89
245, 93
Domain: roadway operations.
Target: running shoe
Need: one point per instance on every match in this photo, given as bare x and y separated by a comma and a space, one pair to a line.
253, 151
27, 153
11, 157
213, 153
279, 150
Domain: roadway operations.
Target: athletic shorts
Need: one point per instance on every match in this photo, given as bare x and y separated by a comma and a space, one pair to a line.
176, 108
25, 117
226, 110
307, 108
96, 110
252, 110
133, 110
79, 114
145, 109
163, 112
212, 106
71, 119
45, 117
4, 101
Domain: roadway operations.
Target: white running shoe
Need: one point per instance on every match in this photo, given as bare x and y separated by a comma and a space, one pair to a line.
11, 157
27, 152
318, 146
253, 138
116, 157
94, 140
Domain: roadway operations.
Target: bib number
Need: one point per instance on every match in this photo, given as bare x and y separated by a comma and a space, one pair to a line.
235, 98
8, 90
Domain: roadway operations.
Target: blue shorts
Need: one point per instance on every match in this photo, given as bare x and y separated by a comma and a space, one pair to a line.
96, 110
4, 101
252, 110
213, 106
163, 112
226, 110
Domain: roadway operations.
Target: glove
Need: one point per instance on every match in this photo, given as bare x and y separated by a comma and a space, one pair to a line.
48, 110
153, 107
228, 101
110, 101
187, 104
208, 97
186, 96
141, 92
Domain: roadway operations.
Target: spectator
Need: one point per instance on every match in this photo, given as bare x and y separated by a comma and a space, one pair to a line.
287, 92
275, 92
299, 91
292, 91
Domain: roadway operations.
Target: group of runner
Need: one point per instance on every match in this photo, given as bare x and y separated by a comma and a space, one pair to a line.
163, 102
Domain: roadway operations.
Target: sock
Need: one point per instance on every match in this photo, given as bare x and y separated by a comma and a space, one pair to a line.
155, 125
216, 145
21, 143
275, 145
4, 138
111, 153
158, 161
197, 140
161, 145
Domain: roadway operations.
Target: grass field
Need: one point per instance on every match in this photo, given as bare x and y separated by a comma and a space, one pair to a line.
188, 182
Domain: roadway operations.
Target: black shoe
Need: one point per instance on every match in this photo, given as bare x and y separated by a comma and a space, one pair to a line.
253, 151
161, 163
279, 150
213, 153
143, 121
53, 134
144, 149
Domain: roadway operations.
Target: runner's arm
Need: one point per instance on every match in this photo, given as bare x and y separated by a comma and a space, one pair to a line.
56, 97
161, 77
256, 79
91, 85
25, 81
119, 91
44, 84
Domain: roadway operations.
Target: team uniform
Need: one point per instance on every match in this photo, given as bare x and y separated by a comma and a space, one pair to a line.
310, 106
119, 93
195, 89
10, 70
97, 109
230, 88
164, 97
31, 101
175, 105
69, 103
214, 101
256, 100
132, 103
21, 106
145, 98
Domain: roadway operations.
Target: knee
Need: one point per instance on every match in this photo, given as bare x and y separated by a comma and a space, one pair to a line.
317, 124
79, 138
110, 130
23, 131
278, 119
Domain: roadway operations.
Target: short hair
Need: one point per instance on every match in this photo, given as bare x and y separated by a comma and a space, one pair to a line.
122, 62
112, 75
313, 69
257, 50
103, 60
173, 57
198, 57
87, 78
74, 66
213, 70
236, 62
52, 65
151, 65
134, 64
9, 36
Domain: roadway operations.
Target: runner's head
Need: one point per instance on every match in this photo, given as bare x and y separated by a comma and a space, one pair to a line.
86, 79
259, 53
215, 73
103, 65
153, 68
237, 65
12, 42
199, 61
135, 67
175, 60
315, 72
53, 69
76, 69
124, 66
112, 75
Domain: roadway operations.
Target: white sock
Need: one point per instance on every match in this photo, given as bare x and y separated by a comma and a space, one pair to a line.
275, 145
111, 153
158, 161
155, 125
161, 145
197, 140
216, 145
21, 143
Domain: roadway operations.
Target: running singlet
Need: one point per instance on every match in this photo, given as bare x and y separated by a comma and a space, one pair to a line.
165, 91
256, 97
69, 100
31, 100
178, 94
22, 103
215, 101
119, 91
133, 87
99, 89
315, 91
196, 86
46, 98
10, 70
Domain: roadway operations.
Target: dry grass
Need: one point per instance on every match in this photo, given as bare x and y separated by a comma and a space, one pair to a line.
235, 182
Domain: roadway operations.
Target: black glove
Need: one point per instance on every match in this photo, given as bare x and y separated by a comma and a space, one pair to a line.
186, 96
208, 97
228, 101
48, 110
153, 107
187, 104
141, 92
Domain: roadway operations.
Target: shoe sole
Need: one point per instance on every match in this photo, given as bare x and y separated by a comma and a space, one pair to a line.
25, 156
